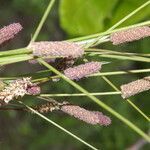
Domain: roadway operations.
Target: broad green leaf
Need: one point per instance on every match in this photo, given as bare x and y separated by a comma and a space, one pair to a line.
124, 7
81, 17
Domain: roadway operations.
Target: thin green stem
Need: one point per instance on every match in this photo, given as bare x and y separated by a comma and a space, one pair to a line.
44, 17
58, 126
80, 94
22, 57
96, 41
44, 79
120, 57
96, 100
15, 52
128, 100
129, 15
14, 57
106, 51
18, 58
27, 51
93, 36
120, 72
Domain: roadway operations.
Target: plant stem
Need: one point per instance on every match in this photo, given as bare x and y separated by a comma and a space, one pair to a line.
44, 79
129, 15
120, 72
93, 36
15, 52
128, 100
85, 39
44, 17
105, 51
133, 58
14, 59
96, 100
80, 94
96, 41
22, 57
58, 126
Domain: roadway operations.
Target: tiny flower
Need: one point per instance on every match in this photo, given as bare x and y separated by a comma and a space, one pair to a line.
135, 87
130, 35
78, 72
91, 117
56, 49
50, 106
18, 88
8, 32
34, 90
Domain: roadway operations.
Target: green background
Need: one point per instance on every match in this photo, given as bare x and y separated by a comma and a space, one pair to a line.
69, 19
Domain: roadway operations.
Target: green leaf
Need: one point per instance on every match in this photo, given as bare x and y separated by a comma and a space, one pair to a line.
80, 17
124, 7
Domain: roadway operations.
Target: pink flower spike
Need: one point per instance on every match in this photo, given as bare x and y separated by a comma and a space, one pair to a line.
135, 87
130, 35
56, 49
18, 88
87, 116
78, 72
33, 90
9, 32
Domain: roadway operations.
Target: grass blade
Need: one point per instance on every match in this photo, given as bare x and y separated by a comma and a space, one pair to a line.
44, 17
60, 127
128, 100
99, 102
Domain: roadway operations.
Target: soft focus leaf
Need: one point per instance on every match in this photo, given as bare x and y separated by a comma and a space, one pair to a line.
80, 17
125, 7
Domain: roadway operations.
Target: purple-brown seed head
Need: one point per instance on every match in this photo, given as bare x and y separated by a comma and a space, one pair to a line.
33, 90
130, 35
18, 88
135, 87
103, 119
8, 32
56, 49
78, 72
87, 116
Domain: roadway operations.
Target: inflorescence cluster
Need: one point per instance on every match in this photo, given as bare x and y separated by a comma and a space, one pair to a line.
52, 52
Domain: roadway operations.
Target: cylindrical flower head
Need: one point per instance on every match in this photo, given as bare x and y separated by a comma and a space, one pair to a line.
78, 72
33, 90
87, 116
8, 32
56, 49
135, 87
130, 35
18, 88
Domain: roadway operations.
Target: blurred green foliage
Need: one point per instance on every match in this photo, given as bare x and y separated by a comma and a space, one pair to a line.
19, 130
82, 17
